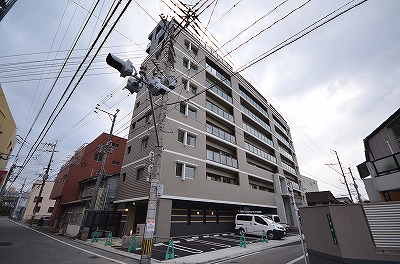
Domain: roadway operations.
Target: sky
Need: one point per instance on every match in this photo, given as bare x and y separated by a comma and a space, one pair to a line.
333, 86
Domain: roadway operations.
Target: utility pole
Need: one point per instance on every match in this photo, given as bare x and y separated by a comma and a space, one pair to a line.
45, 177
355, 186
168, 54
105, 150
344, 177
19, 198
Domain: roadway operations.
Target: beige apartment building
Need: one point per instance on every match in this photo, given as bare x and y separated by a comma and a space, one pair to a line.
7, 131
45, 207
225, 148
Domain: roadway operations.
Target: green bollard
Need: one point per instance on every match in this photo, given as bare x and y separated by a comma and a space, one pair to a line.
264, 237
132, 244
95, 236
169, 255
109, 238
243, 241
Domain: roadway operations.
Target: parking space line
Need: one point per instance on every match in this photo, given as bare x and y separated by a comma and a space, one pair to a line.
187, 249
211, 243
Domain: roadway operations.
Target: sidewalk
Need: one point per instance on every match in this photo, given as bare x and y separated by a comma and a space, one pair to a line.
206, 257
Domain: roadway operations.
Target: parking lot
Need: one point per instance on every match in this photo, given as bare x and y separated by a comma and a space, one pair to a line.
198, 244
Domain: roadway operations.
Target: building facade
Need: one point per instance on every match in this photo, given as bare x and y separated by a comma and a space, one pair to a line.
381, 170
45, 206
8, 130
74, 183
225, 148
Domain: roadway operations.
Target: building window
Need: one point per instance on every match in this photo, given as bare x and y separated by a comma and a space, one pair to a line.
186, 138
98, 156
187, 44
133, 125
144, 142
123, 176
140, 173
188, 110
186, 63
147, 117
186, 171
137, 104
115, 163
129, 149
195, 50
194, 66
185, 84
37, 209
115, 145
50, 210
192, 88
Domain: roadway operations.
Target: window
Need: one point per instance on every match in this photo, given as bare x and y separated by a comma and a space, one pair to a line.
186, 138
123, 176
185, 83
192, 88
144, 142
147, 117
133, 125
37, 209
50, 210
140, 173
137, 104
192, 113
195, 50
115, 163
188, 110
186, 63
187, 44
259, 220
186, 171
129, 149
98, 156
194, 66
115, 145
38, 199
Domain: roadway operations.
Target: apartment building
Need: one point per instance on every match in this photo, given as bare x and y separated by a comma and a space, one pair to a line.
45, 206
225, 148
381, 170
74, 184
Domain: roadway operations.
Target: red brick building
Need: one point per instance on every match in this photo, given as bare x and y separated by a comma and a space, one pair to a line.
75, 181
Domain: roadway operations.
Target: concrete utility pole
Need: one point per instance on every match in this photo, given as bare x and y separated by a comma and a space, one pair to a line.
104, 149
45, 177
344, 177
355, 186
148, 237
19, 198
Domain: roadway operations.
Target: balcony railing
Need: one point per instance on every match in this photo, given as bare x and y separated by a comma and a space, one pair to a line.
386, 165
218, 132
254, 103
259, 152
256, 118
289, 168
285, 153
217, 74
222, 158
219, 111
280, 126
219, 91
283, 140
258, 134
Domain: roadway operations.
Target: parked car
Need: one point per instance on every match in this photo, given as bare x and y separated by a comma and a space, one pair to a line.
256, 224
277, 219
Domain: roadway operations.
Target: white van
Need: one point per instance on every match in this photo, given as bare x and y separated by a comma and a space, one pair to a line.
255, 224
277, 219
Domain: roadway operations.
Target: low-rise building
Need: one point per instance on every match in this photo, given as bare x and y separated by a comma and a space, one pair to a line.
45, 206
381, 170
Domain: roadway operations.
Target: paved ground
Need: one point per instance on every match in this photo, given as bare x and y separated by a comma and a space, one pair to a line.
199, 249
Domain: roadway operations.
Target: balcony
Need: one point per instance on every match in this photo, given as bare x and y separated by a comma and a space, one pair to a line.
387, 165
222, 158
218, 74
288, 168
254, 103
217, 90
259, 152
258, 134
219, 111
285, 153
256, 118
220, 133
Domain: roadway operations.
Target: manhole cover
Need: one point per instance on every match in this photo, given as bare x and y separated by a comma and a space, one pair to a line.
5, 244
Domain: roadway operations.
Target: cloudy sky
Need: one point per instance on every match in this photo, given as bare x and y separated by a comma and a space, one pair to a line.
334, 86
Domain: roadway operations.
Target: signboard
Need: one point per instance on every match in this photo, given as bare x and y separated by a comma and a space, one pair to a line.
332, 229
150, 225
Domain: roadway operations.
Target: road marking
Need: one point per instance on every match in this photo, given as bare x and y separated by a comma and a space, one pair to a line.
188, 249
295, 260
65, 243
212, 243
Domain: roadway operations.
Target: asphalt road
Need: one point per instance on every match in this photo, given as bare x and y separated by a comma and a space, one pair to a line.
19, 244
287, 254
